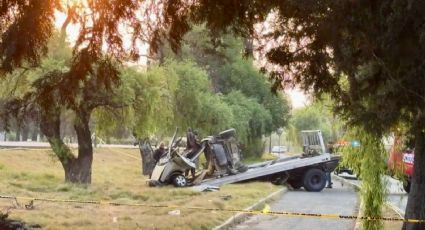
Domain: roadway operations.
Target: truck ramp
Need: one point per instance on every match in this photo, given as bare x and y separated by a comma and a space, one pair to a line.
265, 169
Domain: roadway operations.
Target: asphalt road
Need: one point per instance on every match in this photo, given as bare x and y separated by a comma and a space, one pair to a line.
341, 199
397, 197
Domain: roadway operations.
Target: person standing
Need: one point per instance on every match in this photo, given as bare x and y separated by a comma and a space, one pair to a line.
328, 173
192, 147
157, 154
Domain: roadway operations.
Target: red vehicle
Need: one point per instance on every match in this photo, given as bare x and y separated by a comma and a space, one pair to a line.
400, 163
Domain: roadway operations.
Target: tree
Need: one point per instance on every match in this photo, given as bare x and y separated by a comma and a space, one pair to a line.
194, 102
89, 79
221, 55
318, 115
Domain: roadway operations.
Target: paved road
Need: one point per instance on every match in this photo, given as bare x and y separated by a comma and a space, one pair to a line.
339, 200
396, 194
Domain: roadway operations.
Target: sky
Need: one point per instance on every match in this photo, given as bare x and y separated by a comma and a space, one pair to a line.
298, 98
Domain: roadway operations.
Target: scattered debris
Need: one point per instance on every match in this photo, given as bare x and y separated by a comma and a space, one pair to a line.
205, 188
30, 205
174, 213
8, 224
226, 197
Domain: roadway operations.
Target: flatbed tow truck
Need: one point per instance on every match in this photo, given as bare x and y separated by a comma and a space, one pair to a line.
306, 170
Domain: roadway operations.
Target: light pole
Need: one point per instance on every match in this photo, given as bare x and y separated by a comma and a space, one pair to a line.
279, 131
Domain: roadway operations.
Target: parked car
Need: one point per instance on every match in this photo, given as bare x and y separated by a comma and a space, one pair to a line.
279, 149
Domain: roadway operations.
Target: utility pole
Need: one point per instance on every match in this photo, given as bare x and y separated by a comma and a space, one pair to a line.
279, 132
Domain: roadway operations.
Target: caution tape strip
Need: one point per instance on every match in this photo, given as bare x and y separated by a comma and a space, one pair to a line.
265, 211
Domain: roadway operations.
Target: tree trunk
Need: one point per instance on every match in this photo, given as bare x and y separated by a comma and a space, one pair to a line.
77, 170
18, 134
80, 169
34, 133
416, 203
25, 132
146, 152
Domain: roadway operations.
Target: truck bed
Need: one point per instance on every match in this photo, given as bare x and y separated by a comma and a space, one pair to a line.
266, 168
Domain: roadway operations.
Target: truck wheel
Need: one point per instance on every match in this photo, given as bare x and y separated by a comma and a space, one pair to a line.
314, 180
179, 180
406, 185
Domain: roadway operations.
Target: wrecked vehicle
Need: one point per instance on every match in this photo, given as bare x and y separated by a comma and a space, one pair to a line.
222, 156
223, 164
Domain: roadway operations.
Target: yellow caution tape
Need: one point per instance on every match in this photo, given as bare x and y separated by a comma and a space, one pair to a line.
265, 211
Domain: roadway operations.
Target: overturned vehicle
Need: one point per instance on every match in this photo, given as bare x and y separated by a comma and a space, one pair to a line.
222, 155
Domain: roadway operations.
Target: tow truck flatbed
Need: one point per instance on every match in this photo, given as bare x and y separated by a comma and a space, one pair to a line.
307, 171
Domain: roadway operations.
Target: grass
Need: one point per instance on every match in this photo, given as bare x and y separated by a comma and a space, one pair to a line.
116, 177
267, 157
256, 159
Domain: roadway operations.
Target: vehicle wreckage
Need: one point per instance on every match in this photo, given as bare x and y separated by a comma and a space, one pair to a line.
223, 164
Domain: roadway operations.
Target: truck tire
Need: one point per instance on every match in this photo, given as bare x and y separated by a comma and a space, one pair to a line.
314, 180
179, 180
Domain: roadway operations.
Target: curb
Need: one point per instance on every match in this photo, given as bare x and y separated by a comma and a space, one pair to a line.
358, 222
239, 217
396, 209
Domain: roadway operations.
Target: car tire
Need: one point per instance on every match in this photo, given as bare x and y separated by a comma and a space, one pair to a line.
179, 180
314, 180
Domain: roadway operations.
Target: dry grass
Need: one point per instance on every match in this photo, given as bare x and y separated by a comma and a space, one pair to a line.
264, 157
116, 177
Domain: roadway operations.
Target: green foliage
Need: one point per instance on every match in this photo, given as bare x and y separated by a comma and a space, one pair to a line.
216, 115
256, 110
177, 93
148, 103
252, 120
368, 161
191, 82
215, 88
318, 116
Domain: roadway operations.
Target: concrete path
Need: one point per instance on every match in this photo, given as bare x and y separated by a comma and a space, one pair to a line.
342, 199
